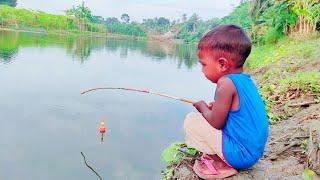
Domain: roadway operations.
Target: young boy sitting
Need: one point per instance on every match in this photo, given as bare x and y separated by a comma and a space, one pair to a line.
233, 128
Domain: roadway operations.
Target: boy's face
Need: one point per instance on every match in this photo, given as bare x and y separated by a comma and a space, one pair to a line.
213, 69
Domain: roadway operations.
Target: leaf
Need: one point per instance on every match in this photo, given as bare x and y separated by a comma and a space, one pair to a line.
167, 174
172, 154
191, 151
308, 174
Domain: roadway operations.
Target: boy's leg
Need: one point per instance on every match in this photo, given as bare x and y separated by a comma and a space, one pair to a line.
205, 138
202, 136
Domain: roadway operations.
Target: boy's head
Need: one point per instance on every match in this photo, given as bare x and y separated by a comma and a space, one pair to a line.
223, 50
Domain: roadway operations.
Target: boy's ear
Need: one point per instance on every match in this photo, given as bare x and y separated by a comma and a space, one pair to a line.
224, 64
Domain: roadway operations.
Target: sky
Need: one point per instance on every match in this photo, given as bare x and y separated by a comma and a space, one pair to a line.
139, 9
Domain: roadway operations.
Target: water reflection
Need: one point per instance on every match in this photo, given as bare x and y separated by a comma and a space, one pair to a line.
46, 122
80, 48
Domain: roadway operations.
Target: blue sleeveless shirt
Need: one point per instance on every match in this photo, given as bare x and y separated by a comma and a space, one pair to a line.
246, 130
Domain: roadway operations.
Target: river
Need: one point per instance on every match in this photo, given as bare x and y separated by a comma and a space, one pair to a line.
46, 122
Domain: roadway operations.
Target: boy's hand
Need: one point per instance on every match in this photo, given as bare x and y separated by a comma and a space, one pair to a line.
200, 105
210, 105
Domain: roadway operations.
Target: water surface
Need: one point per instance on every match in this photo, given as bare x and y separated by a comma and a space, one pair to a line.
46, 123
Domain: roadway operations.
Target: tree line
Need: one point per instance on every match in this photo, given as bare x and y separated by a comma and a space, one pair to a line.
266, 21
12, 3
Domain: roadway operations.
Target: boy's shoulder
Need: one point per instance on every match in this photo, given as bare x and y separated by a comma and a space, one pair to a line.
225, 84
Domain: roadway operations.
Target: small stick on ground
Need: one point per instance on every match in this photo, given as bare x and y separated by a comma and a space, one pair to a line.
278, 139
302, 104
275, 155
85, 161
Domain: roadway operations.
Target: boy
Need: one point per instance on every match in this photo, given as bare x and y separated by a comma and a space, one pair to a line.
234, 128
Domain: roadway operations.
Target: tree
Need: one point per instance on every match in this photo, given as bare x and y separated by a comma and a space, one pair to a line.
257, 7
184, 17
308, 14
12, 3
193, 23
125, 18
97, 19
82, 14
111, 20
161, 21
80, 11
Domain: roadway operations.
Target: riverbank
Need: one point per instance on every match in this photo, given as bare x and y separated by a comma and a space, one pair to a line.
88, 34
288, 77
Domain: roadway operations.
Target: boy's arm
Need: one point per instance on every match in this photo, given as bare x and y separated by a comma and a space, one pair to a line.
217, 115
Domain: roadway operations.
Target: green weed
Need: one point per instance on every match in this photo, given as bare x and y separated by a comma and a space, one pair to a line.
305, 82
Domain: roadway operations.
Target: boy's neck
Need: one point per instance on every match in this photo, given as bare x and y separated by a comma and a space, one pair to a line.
235, 70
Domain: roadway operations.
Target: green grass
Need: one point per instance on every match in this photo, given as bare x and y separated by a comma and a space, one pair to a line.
306, 82
285, 71
24, 19
285, 49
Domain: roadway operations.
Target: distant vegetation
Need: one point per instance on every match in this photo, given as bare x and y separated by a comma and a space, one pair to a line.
266, 21
12, 3
75, 20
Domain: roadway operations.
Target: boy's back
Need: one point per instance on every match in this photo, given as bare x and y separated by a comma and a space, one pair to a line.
246, 130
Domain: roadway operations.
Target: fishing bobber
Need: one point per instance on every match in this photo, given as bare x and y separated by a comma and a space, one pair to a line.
102, 129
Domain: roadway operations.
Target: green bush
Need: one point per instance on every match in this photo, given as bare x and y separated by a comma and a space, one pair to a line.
125, 29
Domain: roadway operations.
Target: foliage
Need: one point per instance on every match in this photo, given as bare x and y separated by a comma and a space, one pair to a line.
80, 12
41, 21
306, 82
286, 17
266, 21
157, 24
173, 154
308, 174
167, 174
97, 19
304, 146
111, 20
287, 48
193, 29
239, 16
125, 18
12, 3
125, 29
284, 76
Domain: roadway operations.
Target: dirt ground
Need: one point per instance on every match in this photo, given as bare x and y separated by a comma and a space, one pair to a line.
278, 162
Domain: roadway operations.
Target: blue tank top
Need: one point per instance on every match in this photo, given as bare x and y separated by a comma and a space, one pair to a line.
246, 130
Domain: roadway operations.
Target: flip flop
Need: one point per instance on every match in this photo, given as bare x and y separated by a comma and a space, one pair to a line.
212, 167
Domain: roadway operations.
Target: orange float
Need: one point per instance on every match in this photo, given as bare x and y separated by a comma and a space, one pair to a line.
102, 129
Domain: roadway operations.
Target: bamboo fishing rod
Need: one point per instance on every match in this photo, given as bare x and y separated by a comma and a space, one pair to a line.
141, 91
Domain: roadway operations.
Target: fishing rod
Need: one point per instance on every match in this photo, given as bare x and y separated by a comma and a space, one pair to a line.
141, 91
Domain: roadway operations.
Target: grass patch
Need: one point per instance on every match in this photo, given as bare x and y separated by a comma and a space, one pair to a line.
23, 19
278, 92
285, 49
305, 82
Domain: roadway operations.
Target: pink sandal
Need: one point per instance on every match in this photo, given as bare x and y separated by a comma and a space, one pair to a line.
212, 167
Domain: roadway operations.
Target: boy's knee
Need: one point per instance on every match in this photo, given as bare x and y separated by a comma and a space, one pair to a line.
190, 120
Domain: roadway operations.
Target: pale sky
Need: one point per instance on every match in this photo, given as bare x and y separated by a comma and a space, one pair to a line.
138, 9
